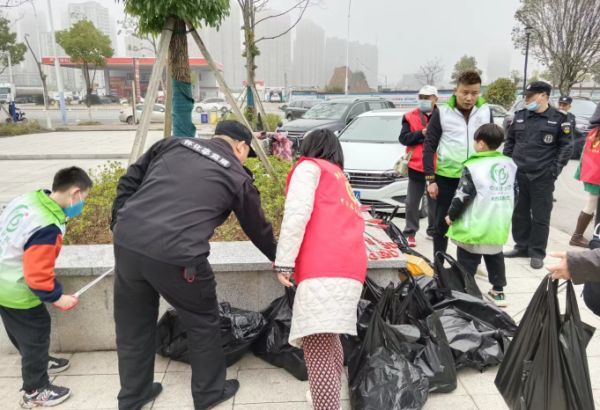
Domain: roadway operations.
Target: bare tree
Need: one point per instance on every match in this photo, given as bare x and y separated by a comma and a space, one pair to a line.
250, 8
430, 72
5, 4
564, 36
40, 71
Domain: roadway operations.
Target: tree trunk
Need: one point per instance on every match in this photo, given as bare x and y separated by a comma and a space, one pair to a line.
168, 91
179, 63
88, 87
250, 54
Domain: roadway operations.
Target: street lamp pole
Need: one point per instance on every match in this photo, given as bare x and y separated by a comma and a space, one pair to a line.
59, 83
528, 30
347, 49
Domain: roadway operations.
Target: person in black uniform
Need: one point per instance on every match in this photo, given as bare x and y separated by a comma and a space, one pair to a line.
564, 105
540, 143
167, 207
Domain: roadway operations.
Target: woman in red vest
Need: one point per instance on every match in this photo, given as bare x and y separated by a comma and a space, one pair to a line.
322, 245
414, 128
589, 173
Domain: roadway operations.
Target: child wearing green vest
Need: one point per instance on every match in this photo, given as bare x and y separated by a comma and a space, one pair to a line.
31, 231
481, 211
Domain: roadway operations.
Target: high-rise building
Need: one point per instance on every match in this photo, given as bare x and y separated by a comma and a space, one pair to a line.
137, 47
275, 59
335, 57
95, 13
26, 74
225, 46
309, 53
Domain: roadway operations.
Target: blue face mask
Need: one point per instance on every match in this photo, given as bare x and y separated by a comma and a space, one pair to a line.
425, 105
533, 106
74, 210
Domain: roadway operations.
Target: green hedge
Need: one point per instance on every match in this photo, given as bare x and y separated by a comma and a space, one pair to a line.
93, 226
20, 128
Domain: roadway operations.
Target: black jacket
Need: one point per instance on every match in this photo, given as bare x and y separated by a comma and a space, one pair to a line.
170, 201
540, 143
409, 138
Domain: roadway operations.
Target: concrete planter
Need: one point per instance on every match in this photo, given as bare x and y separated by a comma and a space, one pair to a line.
244, 278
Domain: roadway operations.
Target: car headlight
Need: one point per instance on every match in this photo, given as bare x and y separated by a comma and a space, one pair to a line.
582, 127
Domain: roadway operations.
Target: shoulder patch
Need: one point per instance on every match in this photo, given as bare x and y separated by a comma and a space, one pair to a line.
566, 127
206, 152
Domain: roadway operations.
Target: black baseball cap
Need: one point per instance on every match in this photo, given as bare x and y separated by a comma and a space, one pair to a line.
237, 131
537, 87
565, 99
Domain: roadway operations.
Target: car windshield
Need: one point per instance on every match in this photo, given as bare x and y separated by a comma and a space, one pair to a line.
326, 111
583, 108
378, 129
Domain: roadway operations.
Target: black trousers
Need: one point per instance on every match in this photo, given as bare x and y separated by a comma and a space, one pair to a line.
139, 281
416, 190
531, 218
494, 264
29, 332
446, 190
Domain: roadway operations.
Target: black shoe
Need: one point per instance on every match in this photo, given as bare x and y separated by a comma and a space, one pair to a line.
156, 390
230, 390
515, 253
537, 263
57, 365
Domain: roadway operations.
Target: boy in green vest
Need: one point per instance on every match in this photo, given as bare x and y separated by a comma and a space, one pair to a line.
481, 211
31, 231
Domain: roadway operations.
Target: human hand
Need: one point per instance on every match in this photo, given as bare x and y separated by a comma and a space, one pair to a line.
66, 302
561, 269
284, 279
424, 131
432, 190
448, 220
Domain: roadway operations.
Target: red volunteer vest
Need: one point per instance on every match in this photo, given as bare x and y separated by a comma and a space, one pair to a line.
416, 124
333, 244
590, 161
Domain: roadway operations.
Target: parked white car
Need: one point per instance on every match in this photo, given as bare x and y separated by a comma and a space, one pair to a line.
212, 104
126, 114
371, 149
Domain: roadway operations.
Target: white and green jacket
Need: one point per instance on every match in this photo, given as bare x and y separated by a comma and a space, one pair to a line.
451, 135
482, 207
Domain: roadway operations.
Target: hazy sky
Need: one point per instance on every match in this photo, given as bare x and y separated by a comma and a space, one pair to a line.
407, 33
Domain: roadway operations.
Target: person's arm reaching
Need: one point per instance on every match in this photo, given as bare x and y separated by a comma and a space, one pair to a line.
431, 142
409, 138
249, 213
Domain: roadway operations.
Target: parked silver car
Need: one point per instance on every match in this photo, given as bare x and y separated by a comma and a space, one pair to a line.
126, 114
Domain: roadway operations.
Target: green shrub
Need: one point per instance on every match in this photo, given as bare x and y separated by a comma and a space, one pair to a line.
20, 128
270, 122
89, 123
272, 196
93, 226
502, 92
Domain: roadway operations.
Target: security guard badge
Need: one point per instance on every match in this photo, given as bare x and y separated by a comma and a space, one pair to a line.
548, 139
566, 127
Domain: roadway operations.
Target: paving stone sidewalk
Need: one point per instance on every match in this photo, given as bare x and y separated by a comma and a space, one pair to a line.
94, 379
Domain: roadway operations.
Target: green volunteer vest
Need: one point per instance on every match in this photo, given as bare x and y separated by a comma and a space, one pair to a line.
486, 221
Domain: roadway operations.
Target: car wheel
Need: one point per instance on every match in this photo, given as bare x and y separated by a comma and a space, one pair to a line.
289, 117
130, 120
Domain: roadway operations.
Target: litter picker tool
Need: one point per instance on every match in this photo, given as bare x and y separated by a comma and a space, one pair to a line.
92, 283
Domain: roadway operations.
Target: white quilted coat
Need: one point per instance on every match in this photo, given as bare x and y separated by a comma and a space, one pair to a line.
322, 305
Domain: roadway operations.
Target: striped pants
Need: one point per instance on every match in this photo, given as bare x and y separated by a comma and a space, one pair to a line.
325, 362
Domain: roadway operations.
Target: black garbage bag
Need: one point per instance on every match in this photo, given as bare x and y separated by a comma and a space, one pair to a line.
272, 345
545, 367
477, 309
474, 343
380, 374
350, 344
371, 290
435, 359
455, 277
239, 328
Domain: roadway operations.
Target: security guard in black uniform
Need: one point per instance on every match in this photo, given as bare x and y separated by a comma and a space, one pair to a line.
564, 105
539, 141
168, 205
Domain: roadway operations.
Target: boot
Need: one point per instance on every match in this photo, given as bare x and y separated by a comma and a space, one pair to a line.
582, 223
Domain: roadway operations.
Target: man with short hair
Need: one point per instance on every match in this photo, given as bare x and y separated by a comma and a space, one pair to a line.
414, 129
450, 133
168, 205
539, 141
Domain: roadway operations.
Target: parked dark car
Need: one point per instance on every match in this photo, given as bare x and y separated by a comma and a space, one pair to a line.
332, 114
581, 108
296, 109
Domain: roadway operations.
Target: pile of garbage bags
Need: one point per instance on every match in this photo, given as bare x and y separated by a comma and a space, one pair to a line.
239, 329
